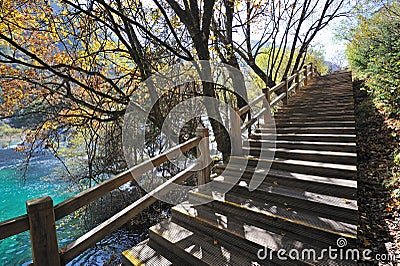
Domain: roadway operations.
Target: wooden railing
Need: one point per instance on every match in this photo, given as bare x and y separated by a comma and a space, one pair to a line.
294, 82
41, 214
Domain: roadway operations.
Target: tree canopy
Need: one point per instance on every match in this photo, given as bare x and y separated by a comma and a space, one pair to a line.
374, 52
77, 63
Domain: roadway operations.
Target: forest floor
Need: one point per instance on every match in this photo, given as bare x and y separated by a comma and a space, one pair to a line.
379, 210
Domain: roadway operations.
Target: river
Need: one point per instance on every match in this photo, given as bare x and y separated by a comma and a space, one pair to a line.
43, 179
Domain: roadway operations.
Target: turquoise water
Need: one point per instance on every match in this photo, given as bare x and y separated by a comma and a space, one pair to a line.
43, 179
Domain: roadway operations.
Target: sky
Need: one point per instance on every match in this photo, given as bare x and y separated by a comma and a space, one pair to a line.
334, 49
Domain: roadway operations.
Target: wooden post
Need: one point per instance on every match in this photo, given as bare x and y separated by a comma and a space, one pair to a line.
297, 80
305, 76
203, 153
312, 71
248, 119
236, 132
266, 101
286, 99
43, 232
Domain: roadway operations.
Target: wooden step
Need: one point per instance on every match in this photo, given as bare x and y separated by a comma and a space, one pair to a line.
319, 114
309, 96
177, 242
304, 228
281, 118
316, 108
303, 145
348, 138
295, 102
143, 254
240, 231
334, 208
244, 238
309, 129
307, 155
334, 170
322, 123
305, 182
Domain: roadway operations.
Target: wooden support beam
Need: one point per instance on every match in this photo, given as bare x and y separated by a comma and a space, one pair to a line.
43, 232
203, 153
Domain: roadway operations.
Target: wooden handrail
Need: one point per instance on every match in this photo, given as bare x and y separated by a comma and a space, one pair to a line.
46, 245
14, 226
21, 224
87, 196
293, 82
277, 87
96, 234
246, 108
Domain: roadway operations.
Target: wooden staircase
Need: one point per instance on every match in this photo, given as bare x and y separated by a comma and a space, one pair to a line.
307, 200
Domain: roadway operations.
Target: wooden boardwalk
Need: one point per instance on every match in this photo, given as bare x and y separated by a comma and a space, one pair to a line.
307, 200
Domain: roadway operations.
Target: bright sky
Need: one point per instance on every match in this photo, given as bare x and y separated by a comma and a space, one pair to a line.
334, 49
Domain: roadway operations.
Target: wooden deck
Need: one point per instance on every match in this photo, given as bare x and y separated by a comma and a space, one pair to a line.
307, 200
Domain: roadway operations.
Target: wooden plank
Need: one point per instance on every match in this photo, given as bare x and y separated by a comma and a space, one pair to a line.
289, 197
195, 249
277, 99
304, 167
307, 228
142, 254
309, 129
235, 132
350, 138
318, 184
306, 145
43, 232
203, 153
247, 108
308, 155
277, 87
321, 123
292, 77
254, 119
205, 221
91, 194
14, 226
293, 86
281, 117
110, 225
302, 71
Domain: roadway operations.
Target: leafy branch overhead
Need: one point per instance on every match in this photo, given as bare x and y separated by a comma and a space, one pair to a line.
76, 64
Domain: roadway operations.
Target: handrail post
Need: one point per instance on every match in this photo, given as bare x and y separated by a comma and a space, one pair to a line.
305, 75
266, 102
286, 99
297, 80
236, 132
43, 231
203, 152
312, 71
248, 119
